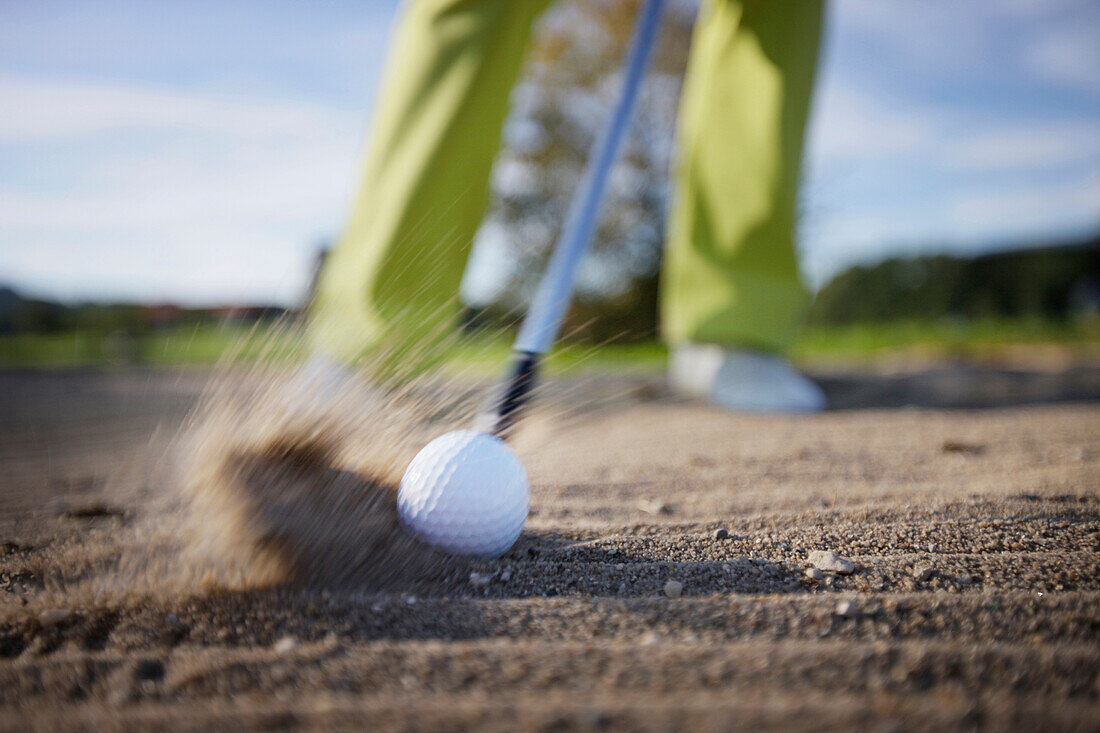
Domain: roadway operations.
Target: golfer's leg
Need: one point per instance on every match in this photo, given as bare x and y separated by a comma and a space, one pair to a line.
394, 275
731, 275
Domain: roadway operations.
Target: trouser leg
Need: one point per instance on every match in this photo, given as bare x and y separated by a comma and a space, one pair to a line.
435, 133
730, 272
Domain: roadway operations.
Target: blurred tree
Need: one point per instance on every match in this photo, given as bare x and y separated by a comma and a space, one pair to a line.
561, 103
27, 315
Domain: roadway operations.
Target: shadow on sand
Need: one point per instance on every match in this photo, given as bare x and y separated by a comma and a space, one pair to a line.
338, 530
959, 386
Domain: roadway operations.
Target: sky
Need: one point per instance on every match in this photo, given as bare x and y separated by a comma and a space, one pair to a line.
200, 152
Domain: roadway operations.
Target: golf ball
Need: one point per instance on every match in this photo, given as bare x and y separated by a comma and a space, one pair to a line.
466, 493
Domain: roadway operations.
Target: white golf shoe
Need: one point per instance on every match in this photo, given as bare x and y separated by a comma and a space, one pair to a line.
741, 380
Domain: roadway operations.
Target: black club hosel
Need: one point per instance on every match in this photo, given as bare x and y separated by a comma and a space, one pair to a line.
505, 409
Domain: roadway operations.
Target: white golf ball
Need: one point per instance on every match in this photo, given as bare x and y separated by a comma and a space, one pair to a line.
466, 493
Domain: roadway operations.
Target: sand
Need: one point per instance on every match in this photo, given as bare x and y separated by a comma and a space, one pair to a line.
967, 497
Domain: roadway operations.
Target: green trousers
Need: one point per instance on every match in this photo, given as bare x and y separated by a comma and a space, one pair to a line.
730, 272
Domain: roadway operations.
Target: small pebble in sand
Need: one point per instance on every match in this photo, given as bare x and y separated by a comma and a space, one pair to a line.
53, 616
721, 533
847, 609
831, 562
932, 547
965, 579
923, 572
814, 574
173, 620
285, 645
506, 575
674, 588
480, 580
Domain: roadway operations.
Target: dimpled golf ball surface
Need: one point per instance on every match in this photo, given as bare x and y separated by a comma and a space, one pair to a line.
466, 493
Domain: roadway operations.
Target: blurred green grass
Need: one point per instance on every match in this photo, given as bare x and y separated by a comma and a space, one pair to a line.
860, 344
204, 344
947, 339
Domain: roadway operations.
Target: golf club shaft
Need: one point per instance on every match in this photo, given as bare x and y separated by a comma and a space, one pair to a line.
544, 318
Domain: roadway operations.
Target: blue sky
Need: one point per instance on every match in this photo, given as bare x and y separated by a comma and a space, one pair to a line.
198, 151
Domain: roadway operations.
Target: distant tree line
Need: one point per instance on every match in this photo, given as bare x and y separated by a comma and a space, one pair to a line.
19, 314
1049, 282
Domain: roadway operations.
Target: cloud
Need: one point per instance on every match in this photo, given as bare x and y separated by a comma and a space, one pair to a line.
859, 127
1032, 9
850, 124
296, 183
1025, 210
1068, 55
934, 38
225, 195
1039, 144
193, 265
37, 109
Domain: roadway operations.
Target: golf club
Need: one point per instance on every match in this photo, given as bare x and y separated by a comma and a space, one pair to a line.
544, 318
